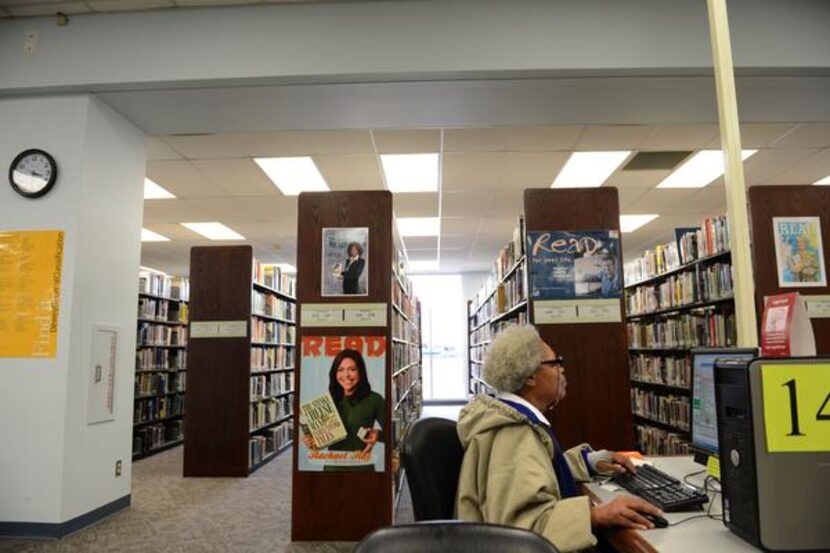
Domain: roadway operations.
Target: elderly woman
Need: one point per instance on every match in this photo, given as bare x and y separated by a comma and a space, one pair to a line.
514, 471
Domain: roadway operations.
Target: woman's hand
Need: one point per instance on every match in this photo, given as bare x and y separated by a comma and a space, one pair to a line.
370, 440
619, 463
623, 511
308, 440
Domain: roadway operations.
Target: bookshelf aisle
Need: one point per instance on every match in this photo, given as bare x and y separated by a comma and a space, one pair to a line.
406, 383
161, 359
678, 297
500, 301
240, 395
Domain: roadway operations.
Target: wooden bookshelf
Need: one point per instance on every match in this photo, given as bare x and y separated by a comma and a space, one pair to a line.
322, 502
661, 370
241, 385
161, 362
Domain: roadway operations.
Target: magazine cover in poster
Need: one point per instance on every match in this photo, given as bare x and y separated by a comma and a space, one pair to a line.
574, 264
342, 403
798, 251
345, 261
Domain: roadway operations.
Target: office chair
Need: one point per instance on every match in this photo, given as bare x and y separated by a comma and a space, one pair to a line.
447, 536
431, 454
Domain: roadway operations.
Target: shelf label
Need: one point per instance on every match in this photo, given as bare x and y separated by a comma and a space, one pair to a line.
576, 311
218, 329
343, 314
796, 407
818, 307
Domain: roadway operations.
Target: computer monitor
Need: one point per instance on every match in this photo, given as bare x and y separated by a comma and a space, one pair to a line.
704, 418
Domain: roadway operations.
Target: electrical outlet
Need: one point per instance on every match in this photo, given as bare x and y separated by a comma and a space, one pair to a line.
118, 468
30, 42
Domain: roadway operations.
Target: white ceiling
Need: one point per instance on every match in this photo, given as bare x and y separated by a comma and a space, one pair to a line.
484, 171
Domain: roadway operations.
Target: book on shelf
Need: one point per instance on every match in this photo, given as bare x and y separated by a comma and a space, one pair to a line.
320, 420
667, 409
684, 330
658, 441
272, 276
663, 370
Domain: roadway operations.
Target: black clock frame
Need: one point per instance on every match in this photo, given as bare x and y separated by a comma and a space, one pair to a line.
49, 184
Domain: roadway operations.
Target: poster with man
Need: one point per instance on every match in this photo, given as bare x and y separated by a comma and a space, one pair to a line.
799, 252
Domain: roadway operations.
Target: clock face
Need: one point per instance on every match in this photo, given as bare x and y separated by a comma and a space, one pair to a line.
33, 173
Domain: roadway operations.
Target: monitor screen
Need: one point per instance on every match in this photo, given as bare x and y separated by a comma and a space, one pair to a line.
704, 414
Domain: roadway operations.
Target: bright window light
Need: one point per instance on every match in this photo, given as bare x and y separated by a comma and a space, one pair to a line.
214, 231
293, 175
426, 266
287, 268
150, 236
825, 181
410, 172
630, 223
419, 226
152, 191
589, 169
699, 170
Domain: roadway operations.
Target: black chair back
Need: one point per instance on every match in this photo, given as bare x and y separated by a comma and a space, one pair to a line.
431, 454
454, 537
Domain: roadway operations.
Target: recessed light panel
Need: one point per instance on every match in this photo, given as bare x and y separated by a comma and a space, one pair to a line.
700, 170
589, 169
150, 236
152, 191
418, 226
410, 172
630, 223
214, 231
293, 175
825, 181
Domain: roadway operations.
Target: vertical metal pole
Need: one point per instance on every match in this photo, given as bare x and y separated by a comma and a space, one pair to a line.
736, 200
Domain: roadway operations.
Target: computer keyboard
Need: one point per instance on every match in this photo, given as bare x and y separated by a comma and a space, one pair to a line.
657, 487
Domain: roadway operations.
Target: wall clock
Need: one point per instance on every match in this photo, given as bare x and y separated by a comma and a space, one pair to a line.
33, 173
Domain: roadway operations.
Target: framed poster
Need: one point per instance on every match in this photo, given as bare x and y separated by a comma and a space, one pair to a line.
342, 404
566, 265
799, 252
345, 262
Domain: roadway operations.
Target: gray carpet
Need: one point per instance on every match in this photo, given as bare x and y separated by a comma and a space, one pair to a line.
204, 515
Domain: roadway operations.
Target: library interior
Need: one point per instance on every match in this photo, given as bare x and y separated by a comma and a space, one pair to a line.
407, 275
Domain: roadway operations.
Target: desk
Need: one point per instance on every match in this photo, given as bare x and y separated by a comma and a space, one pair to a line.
700, 534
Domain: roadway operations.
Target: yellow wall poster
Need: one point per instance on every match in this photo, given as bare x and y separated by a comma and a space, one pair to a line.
30, 286
796, 406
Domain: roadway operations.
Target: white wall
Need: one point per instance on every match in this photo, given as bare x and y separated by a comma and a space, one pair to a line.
53, 466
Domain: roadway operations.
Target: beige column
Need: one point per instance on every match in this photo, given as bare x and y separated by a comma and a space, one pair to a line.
736, 197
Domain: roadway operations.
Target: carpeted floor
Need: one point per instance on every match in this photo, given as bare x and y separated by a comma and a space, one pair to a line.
171, 514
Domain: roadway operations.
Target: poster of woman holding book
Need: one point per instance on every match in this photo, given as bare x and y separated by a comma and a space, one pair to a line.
345, 261
341, 411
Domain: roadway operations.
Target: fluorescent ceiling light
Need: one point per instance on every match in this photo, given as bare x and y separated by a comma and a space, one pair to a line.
410, 172
150, 236
589, 169
214, 231
824, 181
699, 170
287, 268
630, 223
152, 191
293, 175
419, 226
428, 266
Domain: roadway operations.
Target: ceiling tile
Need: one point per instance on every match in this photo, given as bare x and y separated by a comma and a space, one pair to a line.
47, 8
421, 243
158, 149
182, 179
766, 165
467, 226
283, 230
472, 171
168, 211
533, 139
806, 135
507, 203
429, 254
647, 178
177, 233
338, 142
197, 3
757, 135
222, 209
128, 5
493, 139
269, 208
407, 142
452, 242
531, 169
680, 137
465, 204
629, 196
350, 172
237, 176
613, 137
806, 171
665, 202
204, 146
422, 204
270, 144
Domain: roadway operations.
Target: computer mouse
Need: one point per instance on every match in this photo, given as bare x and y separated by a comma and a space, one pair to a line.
658, 521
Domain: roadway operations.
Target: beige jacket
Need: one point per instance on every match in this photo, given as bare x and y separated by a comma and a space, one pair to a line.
507, 476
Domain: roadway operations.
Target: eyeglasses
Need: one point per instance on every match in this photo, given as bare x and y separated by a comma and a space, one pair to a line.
555, 362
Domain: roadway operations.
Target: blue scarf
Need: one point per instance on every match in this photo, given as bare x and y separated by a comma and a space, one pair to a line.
567, 484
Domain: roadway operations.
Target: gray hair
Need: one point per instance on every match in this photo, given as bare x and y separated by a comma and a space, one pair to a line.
514, 354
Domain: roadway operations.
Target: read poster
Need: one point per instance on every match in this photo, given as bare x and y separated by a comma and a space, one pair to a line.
351, 371
798, 252
566, 265
30, 290
345, 261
